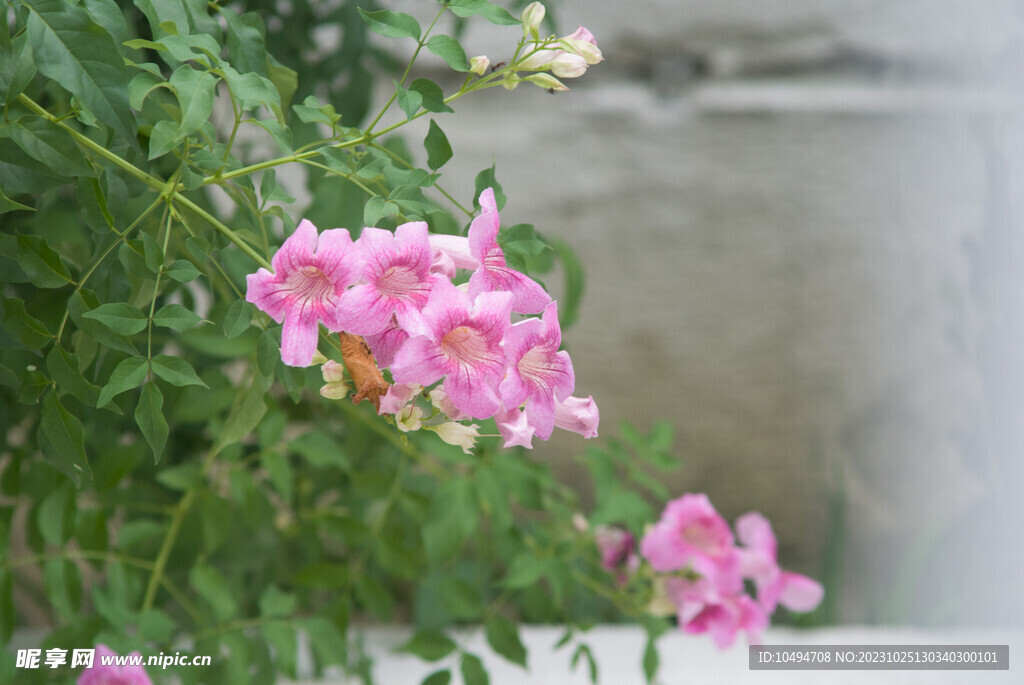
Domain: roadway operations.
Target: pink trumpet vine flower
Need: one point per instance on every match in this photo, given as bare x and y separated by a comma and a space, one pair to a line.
538, 373
110, 674
758, 561
398, 280
307, 286
461, 342
493, 273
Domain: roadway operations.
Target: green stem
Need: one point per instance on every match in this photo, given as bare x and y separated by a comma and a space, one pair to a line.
160, 564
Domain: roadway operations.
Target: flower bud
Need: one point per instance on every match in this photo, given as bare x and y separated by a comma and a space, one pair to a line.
409, 419
335, 391
457, 434
568, 65
478, 65
546, 81
332, 371
318, 357
533, 15
538, 59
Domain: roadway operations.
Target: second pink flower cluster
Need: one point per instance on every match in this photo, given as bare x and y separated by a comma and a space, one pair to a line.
700, 570
396, 290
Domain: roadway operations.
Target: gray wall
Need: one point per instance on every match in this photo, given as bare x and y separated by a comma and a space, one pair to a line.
799, 221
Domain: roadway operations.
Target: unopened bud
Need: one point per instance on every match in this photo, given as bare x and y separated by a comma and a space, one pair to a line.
478, 65
318, 357
546, 81
457, 434
332, 371
533, 15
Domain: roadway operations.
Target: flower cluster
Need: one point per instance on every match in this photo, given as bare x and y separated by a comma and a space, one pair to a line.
699, 570
396, 291
565, 57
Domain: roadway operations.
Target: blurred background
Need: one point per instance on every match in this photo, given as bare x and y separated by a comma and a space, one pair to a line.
800, 221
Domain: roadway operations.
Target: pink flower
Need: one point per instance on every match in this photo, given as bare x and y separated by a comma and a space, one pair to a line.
398, 280
617, 547
567, 57
758, 561
692, 534
578, 415
386, 343
309, 279
397, 396
100, 674
493, 274
702, 609
456, 249
538, 373
460, 342
515, 428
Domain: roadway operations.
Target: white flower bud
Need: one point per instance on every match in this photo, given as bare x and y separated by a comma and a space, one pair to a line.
546, 81
478, 65
457, 434
533, 15
335, 391
318, 357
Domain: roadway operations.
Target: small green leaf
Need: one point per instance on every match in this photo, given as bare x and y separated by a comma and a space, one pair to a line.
63, 368
237, 319
54, 517
176, 317
22, 326
267, 355
46, 142
408, 100
503, 637
41, 263
391, 24
439, 151
429, 645
431, 94
195, 91
438, 678
282, 135
320, 450
376, 208
486, 179
150, 418
212, 587
65, 435
131, 256
152, 252
249, 408
274, 602
183, 271
448, 49
163, 138
120, 317
246, 46
155, 626
651, 660
459, 598
129, 374
176, 371
473, 671
9, 205
490, 12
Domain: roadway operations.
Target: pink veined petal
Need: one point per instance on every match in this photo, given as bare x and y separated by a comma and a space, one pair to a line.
442, 264
397, 396
267, 293
479, 400
799, 592
297, 250
418, 360
483, 231
298, 340
579, 415
457, 249
339, 258
364, 311
514, 428
412, 245
541, 413
386, 344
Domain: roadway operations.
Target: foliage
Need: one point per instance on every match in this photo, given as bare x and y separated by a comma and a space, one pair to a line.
167, 483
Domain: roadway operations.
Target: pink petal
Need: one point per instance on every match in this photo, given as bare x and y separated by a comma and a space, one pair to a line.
456, 248
297, 250
800, 593
364, 311
265, 291
418, 360
298, 340
578, 415
513, 426
339, 258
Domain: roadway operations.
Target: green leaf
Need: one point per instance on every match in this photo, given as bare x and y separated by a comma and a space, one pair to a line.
131, 256
251, 90
160, 12
448, 49
376, 208
183, 271
181, 478
152, 252
155, 626
525, 570
66, 438
459, 598
107, 14
503, 637
584, 650
270, 189
408, 100
281, 637
46, 142
237, 319
130, 373
282, 135
16, 67
63, 368
22, 326
490, 12
267, 355
431, 94
650, 661
9, 205
438, 678
452, 518
274, 602
245, 41
120, 317
176, 371
391, 24
54, 517
249, 408
41, 263
163, 138
195, 91
212, 587
320, 450
473, 671
486, 179
436, 144
311, 110
575, 282
176, 317
149, 416
63, 583
429, 645
80, 55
